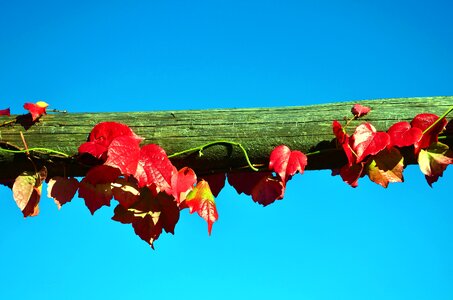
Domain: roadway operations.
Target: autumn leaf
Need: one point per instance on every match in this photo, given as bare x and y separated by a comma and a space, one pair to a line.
27, 191
423, 122
125, 191
36, 109
182, 182
367, 141
96, 188
201, 200
350, 174
360, 110
402, 134
216, 182
62, 189
262, 186
385, 167
286, 163
102, 135
434, 160
150, 215
149, 165
343, 139
5, 112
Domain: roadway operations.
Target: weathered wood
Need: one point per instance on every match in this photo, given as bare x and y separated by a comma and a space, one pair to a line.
306, 128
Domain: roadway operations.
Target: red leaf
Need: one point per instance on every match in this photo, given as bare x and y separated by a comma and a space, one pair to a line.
434, 160
403, 135
96, 189
201, 200
387, 166
286, 163
360, 110
62, 189
125, 192
267, 190
182, 182
102, 135
149, 215
154, 168
351, 174
423, 121
124, 154
343, 140
366, 141
5, 112
36, 109
262, 186
216, 182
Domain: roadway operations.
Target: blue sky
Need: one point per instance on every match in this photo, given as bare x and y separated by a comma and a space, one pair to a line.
325, 240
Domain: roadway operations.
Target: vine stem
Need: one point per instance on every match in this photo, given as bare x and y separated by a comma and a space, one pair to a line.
202, 147
38, 149
438, 120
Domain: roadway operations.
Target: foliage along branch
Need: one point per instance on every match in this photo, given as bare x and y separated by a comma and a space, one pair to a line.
151, 191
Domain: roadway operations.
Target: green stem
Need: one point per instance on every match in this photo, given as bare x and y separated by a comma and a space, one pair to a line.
45, 150
438, 120
202, 147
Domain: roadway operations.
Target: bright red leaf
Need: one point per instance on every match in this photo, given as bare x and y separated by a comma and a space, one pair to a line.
402, 134
434, 160
102, 135
360, 110
423, 122
5, 112
367, 141
62, 189
343, 139
36, 109
201, 200
385, 167
286, 163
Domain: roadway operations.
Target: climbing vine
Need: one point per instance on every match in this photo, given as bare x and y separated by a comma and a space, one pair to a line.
151, 191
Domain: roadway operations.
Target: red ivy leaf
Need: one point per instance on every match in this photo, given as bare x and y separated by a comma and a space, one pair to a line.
96, 189
343, 140
102, 135
434, 160
5, 112
124, 154
201, 200
36, 109
360, 110
403, 135
423, 121
150, 215
125, 192
62, 189
182, 182
351, 174
216, 182
367, 141
286, 163
262, 186
387, 166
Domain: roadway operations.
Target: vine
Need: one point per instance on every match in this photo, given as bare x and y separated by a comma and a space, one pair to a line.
151, 191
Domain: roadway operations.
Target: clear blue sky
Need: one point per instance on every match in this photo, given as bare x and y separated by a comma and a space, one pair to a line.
325, 240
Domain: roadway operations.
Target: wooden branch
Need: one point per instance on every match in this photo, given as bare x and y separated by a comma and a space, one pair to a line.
306, 128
